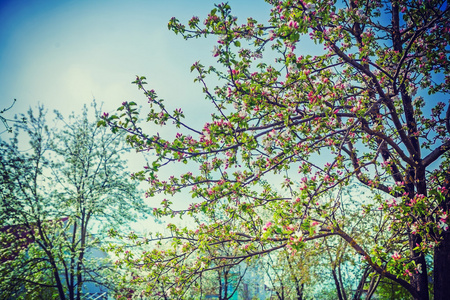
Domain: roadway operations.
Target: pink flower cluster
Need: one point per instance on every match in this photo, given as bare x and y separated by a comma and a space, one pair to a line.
268, 224
396, 256
292, 24
443, 221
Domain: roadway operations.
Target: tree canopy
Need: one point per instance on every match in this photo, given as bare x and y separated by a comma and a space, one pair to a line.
58, 197
292, 131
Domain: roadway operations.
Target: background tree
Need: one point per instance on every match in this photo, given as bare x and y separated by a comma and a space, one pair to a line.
364, 109
287, 275
225, 283
59, 195
6, 120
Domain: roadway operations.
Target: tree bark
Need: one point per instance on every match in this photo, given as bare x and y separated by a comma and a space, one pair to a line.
336, 282
441, 271
419, 280
373, 286
299, 289
362, 281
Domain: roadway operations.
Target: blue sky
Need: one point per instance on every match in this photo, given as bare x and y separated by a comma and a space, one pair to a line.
63, 54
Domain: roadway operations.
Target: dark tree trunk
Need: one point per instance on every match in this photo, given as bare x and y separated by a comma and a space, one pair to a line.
59, 285
441, 272
362, 281
336, 282
441, 269
373, 286
220, 284
299, 289
341, 283
419, 280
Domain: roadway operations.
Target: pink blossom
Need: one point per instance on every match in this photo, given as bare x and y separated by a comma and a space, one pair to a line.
443, 217
391, 202
443, 225
268, 224
215, 51
292, 24
310, 7
242, 114
396, 256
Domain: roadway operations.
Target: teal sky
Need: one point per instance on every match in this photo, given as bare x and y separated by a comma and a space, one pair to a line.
63, 54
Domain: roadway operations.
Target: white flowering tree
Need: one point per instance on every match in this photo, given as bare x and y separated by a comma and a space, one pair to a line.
66, 185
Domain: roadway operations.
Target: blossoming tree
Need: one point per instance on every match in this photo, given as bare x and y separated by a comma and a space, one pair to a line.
372, 108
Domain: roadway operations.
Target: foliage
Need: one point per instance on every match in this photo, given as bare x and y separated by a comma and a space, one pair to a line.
391, 290
58, 196
287, 135
287, 274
